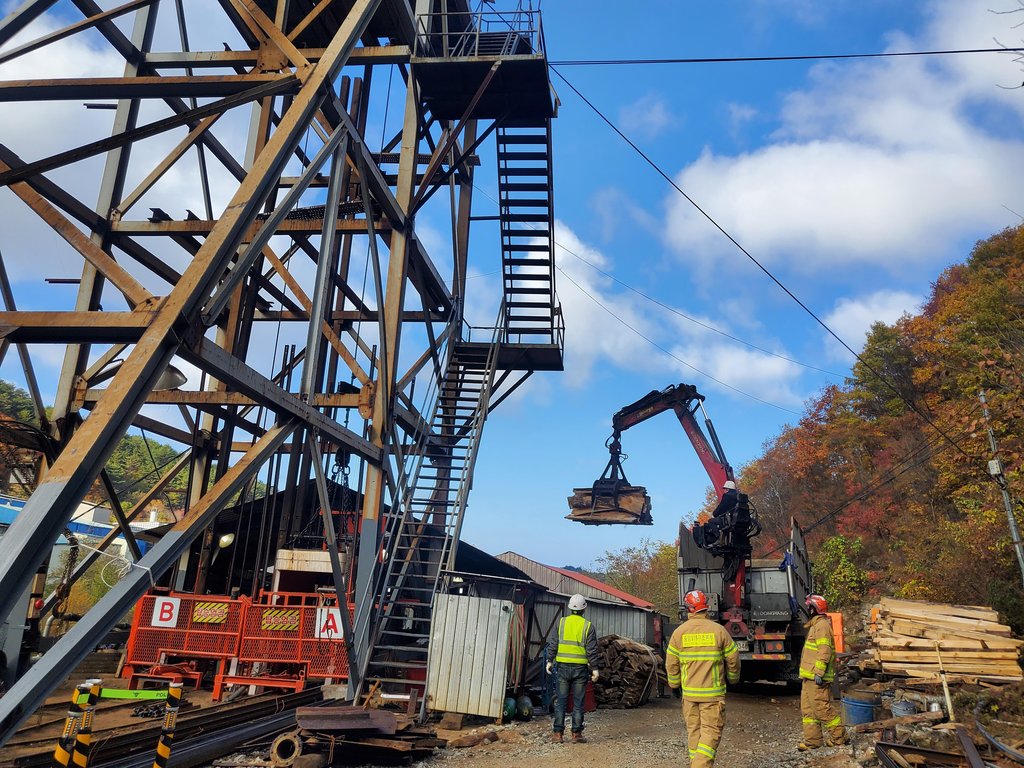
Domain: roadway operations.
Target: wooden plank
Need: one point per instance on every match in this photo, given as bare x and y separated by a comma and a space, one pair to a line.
881, 725
950, 622
921, 630
982, 612
929, 656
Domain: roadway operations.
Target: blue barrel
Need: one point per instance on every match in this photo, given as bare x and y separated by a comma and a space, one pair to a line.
857, 712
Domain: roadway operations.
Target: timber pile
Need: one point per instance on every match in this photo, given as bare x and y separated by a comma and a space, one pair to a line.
910, 639
629, 505
629, 673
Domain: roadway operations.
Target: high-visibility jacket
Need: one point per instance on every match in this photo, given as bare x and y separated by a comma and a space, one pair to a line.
819, 654
700, 657
573, 635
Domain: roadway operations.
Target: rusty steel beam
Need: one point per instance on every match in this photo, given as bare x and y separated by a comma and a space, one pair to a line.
71, 29
366, 55
42, 678
35, 530
74, 327
142, 87
202, 227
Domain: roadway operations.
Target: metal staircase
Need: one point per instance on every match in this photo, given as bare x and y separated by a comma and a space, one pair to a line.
421, 539
526, 216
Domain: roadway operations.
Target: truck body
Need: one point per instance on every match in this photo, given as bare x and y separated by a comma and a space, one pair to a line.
766, 621
759, 602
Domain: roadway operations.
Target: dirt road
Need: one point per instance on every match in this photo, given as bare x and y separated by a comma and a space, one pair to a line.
762, 731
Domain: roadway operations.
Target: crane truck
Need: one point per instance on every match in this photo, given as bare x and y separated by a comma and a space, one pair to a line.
758, 601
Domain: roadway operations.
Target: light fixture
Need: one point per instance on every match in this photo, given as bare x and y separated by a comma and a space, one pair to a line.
171, 378
226, 540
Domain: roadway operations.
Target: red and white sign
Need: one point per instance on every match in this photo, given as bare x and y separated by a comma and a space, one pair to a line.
165, 612
328, 624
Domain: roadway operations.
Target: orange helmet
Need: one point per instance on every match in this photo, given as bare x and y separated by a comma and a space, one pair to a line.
817, 603
695, 601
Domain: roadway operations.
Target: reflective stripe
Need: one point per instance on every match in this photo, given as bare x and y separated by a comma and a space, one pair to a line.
810, 720
572, 634
834, 722
730, 649
703, 693
705, 750
693, 753
715, 655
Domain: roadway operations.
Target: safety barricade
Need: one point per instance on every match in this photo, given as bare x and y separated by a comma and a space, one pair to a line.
183, 626
296, 628
285, 639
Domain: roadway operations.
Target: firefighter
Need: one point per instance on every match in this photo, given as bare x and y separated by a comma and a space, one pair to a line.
700, 657
818, 670
575, 650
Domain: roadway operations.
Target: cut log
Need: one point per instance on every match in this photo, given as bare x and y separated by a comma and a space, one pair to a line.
630, 505
881, 725
629, 673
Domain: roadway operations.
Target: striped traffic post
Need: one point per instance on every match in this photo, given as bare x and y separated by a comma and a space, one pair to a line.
62, 753
83, 738
163, 746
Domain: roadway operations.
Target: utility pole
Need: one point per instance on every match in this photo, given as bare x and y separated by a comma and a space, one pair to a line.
995, 468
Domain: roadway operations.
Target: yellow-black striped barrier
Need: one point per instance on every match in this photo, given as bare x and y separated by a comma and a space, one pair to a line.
163, 746
83, 738
66, 740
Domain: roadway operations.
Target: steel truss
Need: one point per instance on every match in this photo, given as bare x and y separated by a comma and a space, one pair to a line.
312, 198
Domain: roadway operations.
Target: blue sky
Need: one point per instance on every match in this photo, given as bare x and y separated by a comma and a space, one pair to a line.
854, 182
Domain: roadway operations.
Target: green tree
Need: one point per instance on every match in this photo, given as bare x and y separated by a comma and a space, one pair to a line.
647, 571
837, 576
15, 403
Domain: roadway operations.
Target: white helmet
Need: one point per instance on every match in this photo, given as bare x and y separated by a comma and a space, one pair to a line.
729, 485
577, 603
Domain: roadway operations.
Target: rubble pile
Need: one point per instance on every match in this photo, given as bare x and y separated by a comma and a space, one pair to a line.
629, 673
943, 683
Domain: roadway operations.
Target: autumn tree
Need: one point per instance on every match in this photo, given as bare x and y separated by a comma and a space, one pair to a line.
647, 570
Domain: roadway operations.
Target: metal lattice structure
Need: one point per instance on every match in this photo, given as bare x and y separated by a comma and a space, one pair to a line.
308, 233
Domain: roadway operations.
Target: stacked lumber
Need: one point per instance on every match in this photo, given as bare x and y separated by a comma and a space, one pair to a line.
911, 637
629, 673
630, 505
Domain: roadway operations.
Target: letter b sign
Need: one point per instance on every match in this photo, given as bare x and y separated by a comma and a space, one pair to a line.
165, 612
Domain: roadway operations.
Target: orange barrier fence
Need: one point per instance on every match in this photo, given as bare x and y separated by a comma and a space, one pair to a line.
301, 630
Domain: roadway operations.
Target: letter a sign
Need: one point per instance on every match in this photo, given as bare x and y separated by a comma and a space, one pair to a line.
165, 612
328, 624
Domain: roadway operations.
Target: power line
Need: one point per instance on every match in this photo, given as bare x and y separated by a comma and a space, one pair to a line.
750, 59
694, 320
661, 304
766, 271
670, 354
931, 449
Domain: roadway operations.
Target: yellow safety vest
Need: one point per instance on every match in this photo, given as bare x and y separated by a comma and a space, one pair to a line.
572, 635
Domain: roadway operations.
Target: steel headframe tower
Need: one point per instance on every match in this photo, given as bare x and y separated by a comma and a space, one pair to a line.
307, 232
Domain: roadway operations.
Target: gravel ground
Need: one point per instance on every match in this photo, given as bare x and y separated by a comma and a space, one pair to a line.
762, 730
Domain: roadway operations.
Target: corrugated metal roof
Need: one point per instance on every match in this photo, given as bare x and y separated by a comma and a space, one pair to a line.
567, 582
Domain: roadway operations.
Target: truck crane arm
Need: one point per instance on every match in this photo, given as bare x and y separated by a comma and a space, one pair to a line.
684, 400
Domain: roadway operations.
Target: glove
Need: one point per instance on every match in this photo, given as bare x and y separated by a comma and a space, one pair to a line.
594, 675
818, 681
547, 667
677, 693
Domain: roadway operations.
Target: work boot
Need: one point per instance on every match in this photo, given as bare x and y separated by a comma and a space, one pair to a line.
805, 747
579, 738
842, 741
556, 737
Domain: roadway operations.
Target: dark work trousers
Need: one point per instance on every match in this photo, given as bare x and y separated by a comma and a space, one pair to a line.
574, 677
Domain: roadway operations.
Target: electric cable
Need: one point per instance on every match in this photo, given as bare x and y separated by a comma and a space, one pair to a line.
670, 354
757, 59
660, 303
931, 449
768, 272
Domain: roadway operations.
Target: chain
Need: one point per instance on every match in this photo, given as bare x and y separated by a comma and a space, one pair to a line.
63, 591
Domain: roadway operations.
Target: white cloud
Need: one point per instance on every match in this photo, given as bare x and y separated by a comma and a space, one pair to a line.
852, 318
646, 117
877, 163
618, 329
